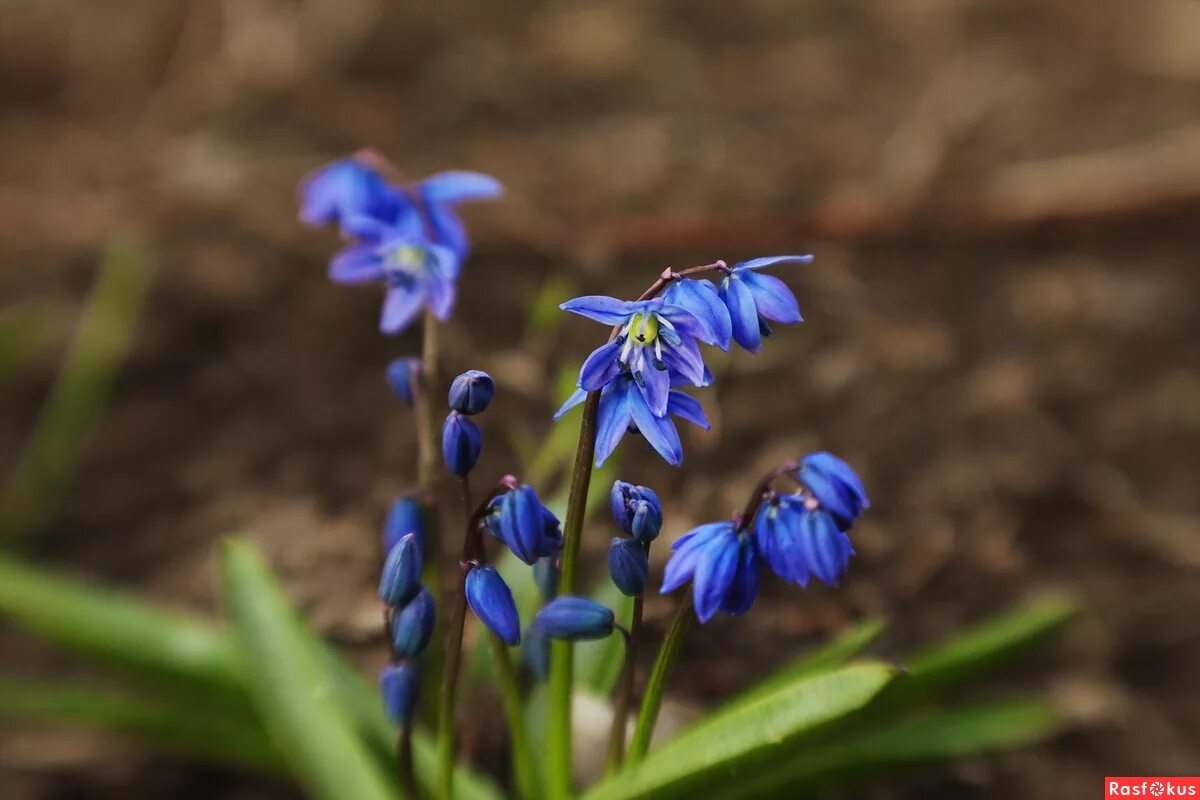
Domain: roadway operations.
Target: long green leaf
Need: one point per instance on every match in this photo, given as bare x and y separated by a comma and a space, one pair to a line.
23, 332
726, 744
291, 689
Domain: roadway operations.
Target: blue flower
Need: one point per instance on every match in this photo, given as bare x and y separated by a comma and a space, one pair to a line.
401, 577
628, 565
471, 392
721, 564
461, 442
403, 518
700, 297
545, 575
399, 684
778, 537
575, 619
623, 409
753, 298
404, 375
637, 510
412, 627
654, 337
492, 601
438, 194
527, 527
342, 189
834, 485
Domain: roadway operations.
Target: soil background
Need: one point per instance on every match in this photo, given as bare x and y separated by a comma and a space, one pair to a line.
1002, 329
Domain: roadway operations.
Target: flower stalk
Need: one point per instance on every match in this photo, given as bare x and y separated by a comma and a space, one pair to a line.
664, 664
616, 734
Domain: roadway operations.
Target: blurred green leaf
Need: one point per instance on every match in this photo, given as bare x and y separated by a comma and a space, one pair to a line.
80, 394
542, 313
724, 745
23, 332
290, 687
163, 723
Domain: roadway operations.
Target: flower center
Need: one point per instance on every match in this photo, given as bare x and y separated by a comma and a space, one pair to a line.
405, 259
643, 328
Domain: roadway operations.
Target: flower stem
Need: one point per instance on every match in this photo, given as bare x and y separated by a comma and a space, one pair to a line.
620, 720
525, 770
404, 761
663, 664
558, 756
428, 483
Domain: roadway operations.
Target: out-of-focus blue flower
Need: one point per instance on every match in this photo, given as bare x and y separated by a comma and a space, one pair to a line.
399, 685
628, 565
545, 575
492, 601
623, 409
754, 298
401, 577
342, 189
413, 625
654, 338
403, 375
527, 527
535, 652
834, 484
700, 297
722, 565
461, 442
575, 619
439, 194
471, 392
403, 518
636, 510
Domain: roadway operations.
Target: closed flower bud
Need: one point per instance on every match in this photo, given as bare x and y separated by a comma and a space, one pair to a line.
575, 619
545, 575
461, 443
637, 510
413, 625
399, 685
833, 483
628, 565
535, 652
401, 572
403, 518
403, 375
529, 529
471, 392
492, 601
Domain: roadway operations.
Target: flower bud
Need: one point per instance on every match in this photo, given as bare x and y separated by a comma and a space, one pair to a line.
834, 484
403, 375
471, 392
404, 517
461, 443
637, 510
399, 685
412, 627
628, 565
401, 572
545, 575
575, 619
492, 601
529, 529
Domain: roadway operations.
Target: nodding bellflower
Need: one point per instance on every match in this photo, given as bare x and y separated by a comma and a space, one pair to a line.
399, 685
401, 578
700, 297
492, 601
755, 299
833, 484
461, 442
471, 392
575, 619
722, 565
636, 510
342, 189
412, 627
654, 337
403, 518
403, 376
629, 566
527, 527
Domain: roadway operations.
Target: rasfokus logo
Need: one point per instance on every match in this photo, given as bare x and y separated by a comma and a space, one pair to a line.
1158, 786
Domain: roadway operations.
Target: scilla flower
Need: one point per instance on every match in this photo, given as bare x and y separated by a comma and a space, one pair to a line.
575, 619
435, 199
628, 565
471, 392
701, 298
399, 684
798, 541
653, 338
492, 601
342, 189
413, 625
754, 298
461, 442
721, 563
403, 518
527, 527
834, 485
636, 510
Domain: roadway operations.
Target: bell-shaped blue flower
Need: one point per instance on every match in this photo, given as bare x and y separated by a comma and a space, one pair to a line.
825, 546
403, 376
700, 297
545, 575
471, 392
834, 484
403, 518
527, 527
400, 684
492, 601
720, 563
777, 537
628, 565
637, 510
461, 442
342, 189
535, 652
754, 298
413, 625
623, 409
401, 577
575, 619
439, 194
654, 337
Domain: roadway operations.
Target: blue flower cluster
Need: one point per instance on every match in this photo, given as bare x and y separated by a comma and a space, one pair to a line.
638, 512
410, 610
655, 349
799, 535
407, 237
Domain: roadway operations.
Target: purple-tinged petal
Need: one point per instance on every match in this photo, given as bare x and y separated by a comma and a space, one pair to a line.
356, 264
688, 408
339, 189
660, 432
655, 387
826, 549
715, 571
742, 312
600, 367
400, 307
455, 186
744, 586
577, 397
447, 228
606, 310
686, 360
441, 294
772, 297
838, 469
766, 261
701, 298
686, 552
613, 420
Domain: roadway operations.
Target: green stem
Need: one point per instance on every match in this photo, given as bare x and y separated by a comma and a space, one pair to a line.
525, 770
404, 762
450, 663
428, 483
620, 720
663, 664
558, 755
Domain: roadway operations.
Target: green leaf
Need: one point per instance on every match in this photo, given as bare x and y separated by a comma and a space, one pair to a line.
162, 723
80, 394
935, 737
23, 332
543, 316
290, 687
726, 744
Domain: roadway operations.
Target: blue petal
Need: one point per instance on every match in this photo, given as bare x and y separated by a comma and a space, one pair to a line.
766, 261
441, 294
655, 386
833, 496
628, 566
606, 310
600, 367
685, 554
413, 626
772, 297
742, 312
461, 443
400, 684
575, 619
455, 186
339, 189
826, 549
447, 228
358, 263
744, 586
400, 307
403, 375
492, 601
576, 397
687, 407
403, 518
685, 359
613, 419
777, 535
836, 468
701, 298
715, 570
688, 325
660, 432
521, 524
401, 577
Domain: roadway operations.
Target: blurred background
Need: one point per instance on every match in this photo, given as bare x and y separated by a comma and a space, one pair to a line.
1001, 323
